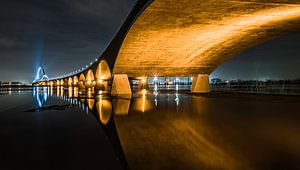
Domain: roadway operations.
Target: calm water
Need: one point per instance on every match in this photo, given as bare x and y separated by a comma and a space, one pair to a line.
59, 129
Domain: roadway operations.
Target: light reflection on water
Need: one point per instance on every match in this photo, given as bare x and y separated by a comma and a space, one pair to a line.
41, 95
175, 130
104, 109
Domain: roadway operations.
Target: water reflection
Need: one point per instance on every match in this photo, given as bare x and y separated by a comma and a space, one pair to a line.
101, 108
70, 92
41, 95
104, 109
90, 103
82, 104
60, 92
177, 99
142, 102
50, 90
57, 91
90, 93
208, 133
76, 92
121, 106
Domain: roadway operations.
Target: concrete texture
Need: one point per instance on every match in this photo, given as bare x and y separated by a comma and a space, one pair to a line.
200, 84
120, 85
188, 37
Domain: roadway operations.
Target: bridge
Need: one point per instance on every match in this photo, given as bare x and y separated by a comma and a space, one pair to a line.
182, 38
41, 76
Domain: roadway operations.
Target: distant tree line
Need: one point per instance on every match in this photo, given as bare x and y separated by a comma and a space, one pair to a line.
217, 81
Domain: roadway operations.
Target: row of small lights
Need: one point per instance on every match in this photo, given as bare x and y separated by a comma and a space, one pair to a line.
75, 72
82, 69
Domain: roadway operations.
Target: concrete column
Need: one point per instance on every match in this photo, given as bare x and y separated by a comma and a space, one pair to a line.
200, 84
143, 83
102, 86
121, 85
81, 87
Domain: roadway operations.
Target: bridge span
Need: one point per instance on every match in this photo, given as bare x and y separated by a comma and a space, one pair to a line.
183, 38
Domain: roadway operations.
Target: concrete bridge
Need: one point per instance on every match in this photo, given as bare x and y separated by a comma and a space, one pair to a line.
184, 38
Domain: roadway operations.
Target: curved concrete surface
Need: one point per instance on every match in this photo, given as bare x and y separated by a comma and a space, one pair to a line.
188, 37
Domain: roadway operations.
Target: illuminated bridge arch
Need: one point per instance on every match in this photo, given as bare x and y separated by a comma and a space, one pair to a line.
90, 79
41, 75
62, 82
189, 37
103, 71
70, 81
81, 82
75, 81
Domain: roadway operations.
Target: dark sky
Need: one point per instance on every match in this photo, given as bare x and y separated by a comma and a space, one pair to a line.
275, 59
60, 35
64, 35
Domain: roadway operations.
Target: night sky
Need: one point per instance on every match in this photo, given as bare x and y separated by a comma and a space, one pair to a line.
275, 59
65, 35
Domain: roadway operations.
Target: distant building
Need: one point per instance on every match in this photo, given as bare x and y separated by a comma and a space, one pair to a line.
216, 81
170, 80
17, 83
5, 84
11, 84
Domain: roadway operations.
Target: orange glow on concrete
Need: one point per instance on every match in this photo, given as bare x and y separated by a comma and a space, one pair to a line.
90, 79
82, 77
75, 81
70, 82
81, 82
100, 81
121, 85
103, 71
194, 37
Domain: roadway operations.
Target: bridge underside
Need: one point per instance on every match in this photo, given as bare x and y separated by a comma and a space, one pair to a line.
188, 37
184, 38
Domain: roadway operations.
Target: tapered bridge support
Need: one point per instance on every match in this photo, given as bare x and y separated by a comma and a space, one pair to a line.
121, 85
200, 84
143, 83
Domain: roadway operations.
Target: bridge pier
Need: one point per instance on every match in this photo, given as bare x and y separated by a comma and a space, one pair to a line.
143, 83
200, 84
102, 86
121, 85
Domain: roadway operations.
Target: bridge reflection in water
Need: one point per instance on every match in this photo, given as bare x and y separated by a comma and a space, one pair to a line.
176, 130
